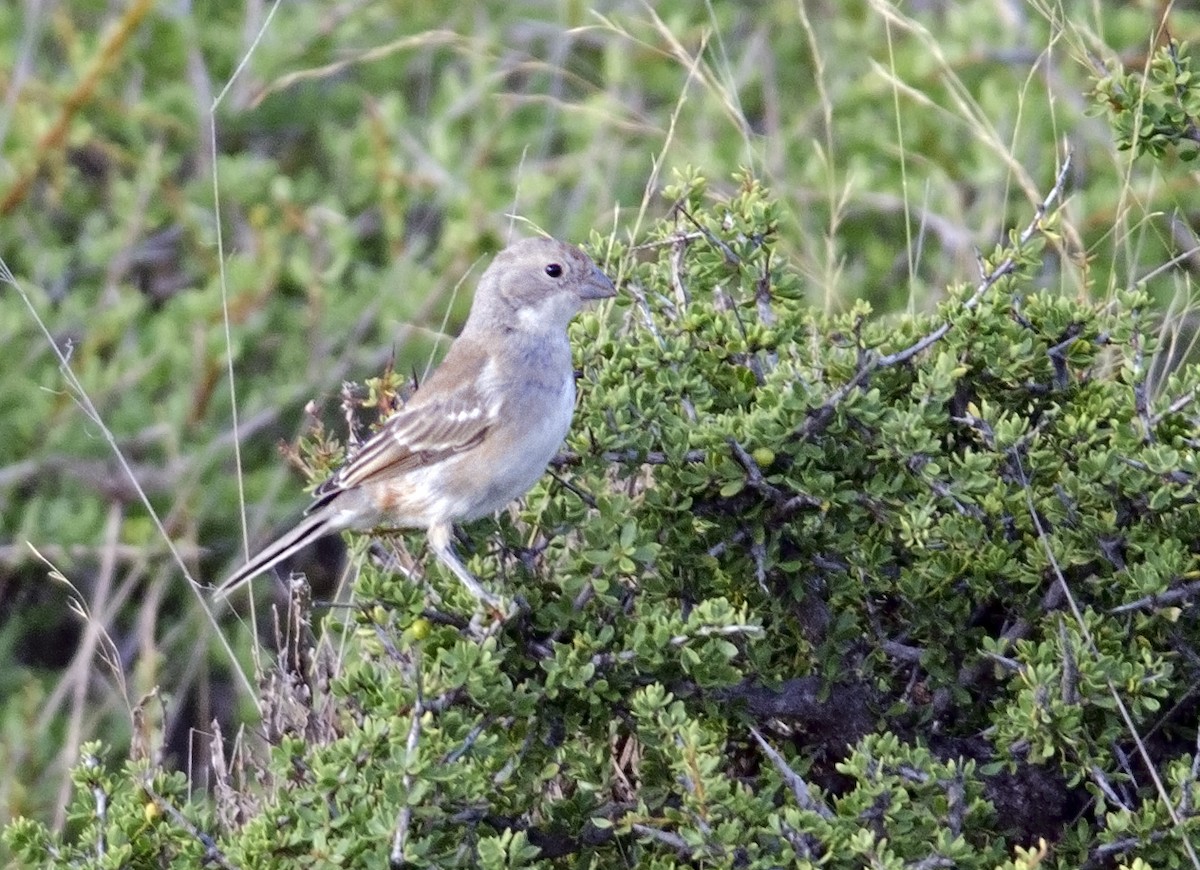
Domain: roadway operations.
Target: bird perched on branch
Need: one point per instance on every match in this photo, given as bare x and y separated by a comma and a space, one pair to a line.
480, 431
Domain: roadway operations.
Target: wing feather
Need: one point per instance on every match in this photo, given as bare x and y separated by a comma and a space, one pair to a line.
419, 435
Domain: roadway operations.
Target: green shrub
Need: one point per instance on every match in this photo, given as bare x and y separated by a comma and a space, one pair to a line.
840, 590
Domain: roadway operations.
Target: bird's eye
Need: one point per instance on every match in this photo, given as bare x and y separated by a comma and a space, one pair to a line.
554, 270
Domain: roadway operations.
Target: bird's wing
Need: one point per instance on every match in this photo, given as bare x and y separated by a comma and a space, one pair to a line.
422, 433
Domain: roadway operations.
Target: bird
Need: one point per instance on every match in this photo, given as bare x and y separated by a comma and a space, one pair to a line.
479, 432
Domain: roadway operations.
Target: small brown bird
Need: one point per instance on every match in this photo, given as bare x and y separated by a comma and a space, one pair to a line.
480, 431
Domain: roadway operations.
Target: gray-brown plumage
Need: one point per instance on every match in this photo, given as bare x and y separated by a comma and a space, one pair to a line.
480, 431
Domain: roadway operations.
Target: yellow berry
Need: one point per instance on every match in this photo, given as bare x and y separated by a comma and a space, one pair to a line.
419, 630
764, 456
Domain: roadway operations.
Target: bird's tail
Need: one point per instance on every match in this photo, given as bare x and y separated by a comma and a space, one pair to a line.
317, 525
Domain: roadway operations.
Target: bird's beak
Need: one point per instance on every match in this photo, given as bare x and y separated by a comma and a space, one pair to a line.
597, 286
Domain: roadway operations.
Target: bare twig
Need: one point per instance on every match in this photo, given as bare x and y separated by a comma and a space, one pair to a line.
1153, 602
404, 817
800, 791
1176, 406
675, 842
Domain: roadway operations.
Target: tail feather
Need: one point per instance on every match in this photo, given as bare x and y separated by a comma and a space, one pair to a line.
312, 527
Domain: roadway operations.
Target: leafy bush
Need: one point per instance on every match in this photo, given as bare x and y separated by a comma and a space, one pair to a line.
843, 589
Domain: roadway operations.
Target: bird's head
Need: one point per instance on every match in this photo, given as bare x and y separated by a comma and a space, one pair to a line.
538, 285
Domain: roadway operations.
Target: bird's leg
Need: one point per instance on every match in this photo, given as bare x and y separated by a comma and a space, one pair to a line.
439, 542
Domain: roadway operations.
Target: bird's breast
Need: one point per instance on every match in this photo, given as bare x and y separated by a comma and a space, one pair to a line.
532, 423
533, 388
